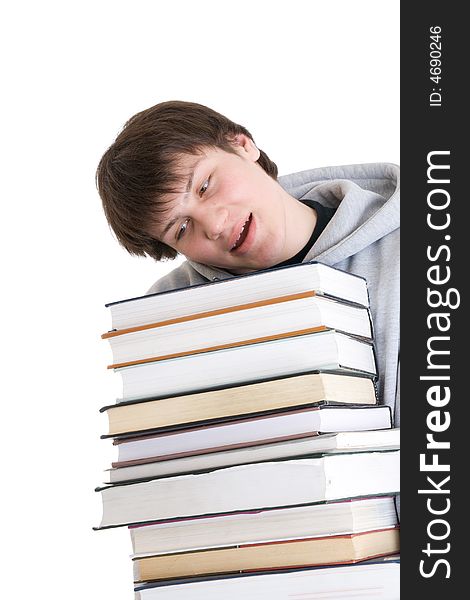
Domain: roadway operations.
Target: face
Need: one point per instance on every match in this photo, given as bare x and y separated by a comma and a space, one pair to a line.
229, 212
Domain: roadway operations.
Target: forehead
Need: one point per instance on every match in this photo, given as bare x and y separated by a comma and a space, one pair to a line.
184, 168
184, 164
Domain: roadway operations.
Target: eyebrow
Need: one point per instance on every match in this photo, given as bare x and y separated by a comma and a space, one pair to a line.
189, 185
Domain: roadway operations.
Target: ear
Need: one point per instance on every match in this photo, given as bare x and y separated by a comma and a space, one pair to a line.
246, 147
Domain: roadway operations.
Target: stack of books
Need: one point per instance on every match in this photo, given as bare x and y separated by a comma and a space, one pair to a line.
251, 451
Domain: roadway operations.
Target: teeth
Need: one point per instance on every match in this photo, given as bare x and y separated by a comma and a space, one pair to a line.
240, 234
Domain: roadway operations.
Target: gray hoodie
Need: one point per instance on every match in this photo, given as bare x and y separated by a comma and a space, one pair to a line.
362, 238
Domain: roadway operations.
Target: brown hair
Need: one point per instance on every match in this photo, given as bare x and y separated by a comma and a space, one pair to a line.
140, 167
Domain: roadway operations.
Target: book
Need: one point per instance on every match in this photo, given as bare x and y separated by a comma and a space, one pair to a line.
281, 426
378, 579
317, 520
248, 433
252, 486
253, 287
237, 323
344, 441
238, 400
295, 353
337, 549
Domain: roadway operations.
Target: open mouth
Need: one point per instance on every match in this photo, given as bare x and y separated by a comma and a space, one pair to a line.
243, 233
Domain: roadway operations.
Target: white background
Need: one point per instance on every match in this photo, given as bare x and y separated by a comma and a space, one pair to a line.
315, 82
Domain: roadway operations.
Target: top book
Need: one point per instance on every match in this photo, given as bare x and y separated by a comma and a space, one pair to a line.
259, 286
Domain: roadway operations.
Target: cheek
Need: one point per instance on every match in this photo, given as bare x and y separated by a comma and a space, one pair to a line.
237, 187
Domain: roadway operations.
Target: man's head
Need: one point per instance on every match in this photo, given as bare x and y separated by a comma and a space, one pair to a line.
147, 168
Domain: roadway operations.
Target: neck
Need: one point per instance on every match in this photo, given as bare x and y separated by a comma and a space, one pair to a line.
300, 223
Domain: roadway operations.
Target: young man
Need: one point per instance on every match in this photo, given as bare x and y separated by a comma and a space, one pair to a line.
181, 178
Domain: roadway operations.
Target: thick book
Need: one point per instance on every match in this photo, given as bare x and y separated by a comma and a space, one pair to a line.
377, 579
254, 287
253, 486
318, 349
238, 400
251, 431
252, 527
329, 550
344, 441
278, 315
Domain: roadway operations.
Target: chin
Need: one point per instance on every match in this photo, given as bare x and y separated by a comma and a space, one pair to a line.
268, 262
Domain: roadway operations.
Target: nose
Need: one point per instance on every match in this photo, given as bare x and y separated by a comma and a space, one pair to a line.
214, 222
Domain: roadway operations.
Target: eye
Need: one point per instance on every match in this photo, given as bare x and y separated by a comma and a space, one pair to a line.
182, 229
204, 186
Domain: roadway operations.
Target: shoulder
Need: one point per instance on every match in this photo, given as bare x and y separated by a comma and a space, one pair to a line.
183, 276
